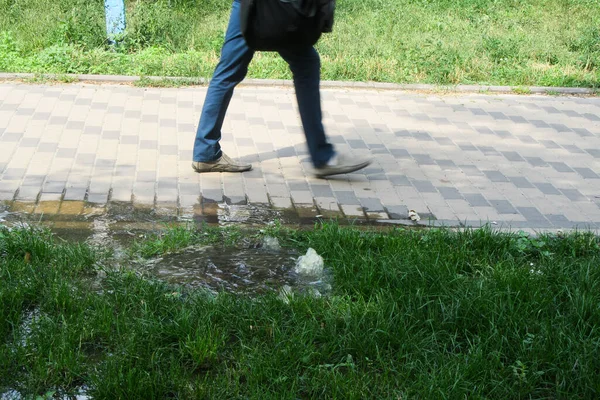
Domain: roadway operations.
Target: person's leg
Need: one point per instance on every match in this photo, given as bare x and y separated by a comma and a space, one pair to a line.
306, 68
231, 70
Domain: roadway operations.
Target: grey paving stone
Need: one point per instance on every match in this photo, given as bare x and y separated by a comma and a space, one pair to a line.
146, 176
538, 123
150, 118
111, 135
168, 100
488, 150
586, 173
550, 144
423, 159
129, 139
66, 153
536, 161
125, 170
57, 120
422, 136
470, 170
526, 139
347, 198
517, 119
357, 144
484, 130
275, 125
467, 147
54, 186
85, 158
444, 141
133, 114
503, 206
33, 180
372, 204
547, 188
236, 200
167, 123
571, 148
593, 152
167, 183
424, 186
497, 115
11, 137
105, 163
399, 180
449, 193
503, 134
92, 130
582, 132
148, 144
495, 176
477, 111
212, 196
400, 153
447, 164
29, 142
115, 110
476, 200
168, 150
47, 147
560, 167
573, 194
25, 111
591, 117
512, 156
560, 128
298, 185
403, 133
551, 110
558, 220
531, 214
321, 190
397, 212
520, 182
441, 121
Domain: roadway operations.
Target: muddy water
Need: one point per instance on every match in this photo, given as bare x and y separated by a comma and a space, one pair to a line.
250, 270
238, 270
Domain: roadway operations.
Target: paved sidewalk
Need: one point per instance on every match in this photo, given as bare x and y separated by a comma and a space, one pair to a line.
521, 161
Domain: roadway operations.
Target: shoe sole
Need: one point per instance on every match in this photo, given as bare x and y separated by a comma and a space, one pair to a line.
348, 170
219, 168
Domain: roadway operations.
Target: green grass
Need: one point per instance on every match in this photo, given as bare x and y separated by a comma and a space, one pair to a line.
509, 42
413, 314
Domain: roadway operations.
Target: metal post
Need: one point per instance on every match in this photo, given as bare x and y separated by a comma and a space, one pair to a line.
115, 18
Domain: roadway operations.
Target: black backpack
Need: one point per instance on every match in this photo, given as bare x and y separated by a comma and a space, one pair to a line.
271, 25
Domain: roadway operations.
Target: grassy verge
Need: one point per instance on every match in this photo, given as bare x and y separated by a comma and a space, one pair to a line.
515, 43
431, 314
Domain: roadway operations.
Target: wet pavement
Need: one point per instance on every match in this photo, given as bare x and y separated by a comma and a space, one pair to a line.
72, 153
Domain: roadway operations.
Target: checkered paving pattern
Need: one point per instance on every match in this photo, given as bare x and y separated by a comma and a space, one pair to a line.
523, 161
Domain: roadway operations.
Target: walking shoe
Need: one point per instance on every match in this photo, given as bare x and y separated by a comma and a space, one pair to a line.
342, 164
223, 164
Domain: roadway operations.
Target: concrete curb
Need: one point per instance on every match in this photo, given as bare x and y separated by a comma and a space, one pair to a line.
324, 84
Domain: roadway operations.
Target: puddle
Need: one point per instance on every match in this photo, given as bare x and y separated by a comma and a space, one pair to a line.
247, 214
250, 271
116, 225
